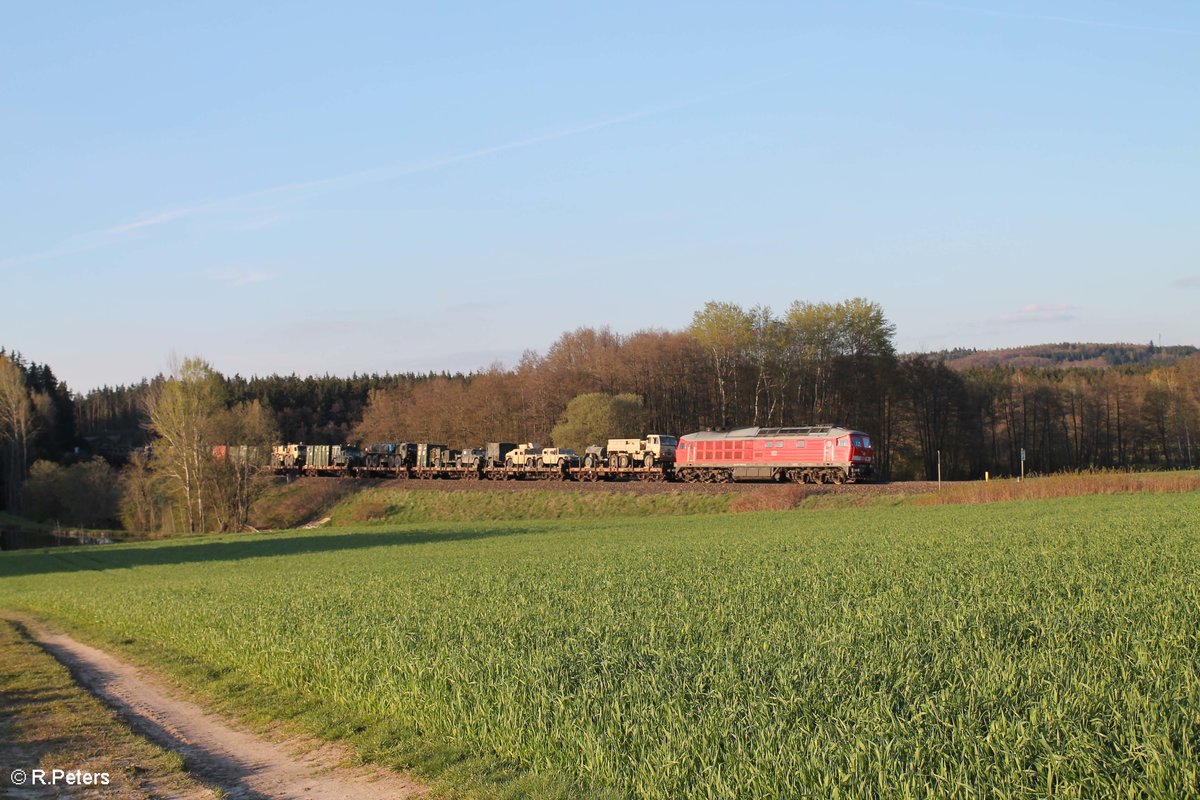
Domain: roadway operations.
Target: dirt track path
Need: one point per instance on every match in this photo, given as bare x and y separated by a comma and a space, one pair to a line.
243, 765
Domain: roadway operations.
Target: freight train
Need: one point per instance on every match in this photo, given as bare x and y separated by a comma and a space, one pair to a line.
812, 454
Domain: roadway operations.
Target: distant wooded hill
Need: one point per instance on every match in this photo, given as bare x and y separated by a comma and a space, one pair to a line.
1067, 354
1066, 406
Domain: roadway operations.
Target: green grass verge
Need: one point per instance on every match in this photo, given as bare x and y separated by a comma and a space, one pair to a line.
1032, 649
388, 506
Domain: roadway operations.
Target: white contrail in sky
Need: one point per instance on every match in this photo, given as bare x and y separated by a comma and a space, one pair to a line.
125, 231
1092, 23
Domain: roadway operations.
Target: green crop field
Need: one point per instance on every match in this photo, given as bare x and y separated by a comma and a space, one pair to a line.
1032, 649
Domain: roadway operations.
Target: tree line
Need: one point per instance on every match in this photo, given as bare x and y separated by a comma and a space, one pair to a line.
732, 366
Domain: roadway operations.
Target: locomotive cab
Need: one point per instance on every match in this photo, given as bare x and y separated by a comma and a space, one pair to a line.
862, 455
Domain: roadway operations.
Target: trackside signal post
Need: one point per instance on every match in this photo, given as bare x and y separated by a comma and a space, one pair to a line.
1022, 465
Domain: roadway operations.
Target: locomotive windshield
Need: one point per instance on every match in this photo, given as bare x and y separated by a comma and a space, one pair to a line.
861, 441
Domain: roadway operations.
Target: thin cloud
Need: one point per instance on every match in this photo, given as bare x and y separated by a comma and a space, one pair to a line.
148, 221
394, 171
236, 277
1189, 282
1035, 312
257, 224
1091, 23
123, 232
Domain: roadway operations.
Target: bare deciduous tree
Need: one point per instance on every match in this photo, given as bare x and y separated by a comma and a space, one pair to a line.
182, 412
16, 424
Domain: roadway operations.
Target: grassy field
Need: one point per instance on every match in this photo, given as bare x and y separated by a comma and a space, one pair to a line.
1032, 649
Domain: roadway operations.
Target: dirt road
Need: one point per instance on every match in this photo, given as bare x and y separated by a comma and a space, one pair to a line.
242, 765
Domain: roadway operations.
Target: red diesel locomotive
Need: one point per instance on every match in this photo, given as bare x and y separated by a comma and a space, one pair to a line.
815, 454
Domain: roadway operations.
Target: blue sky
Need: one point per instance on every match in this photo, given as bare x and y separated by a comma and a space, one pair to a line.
387, 187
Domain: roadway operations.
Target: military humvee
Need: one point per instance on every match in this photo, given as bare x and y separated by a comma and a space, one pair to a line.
524, 455
654, 449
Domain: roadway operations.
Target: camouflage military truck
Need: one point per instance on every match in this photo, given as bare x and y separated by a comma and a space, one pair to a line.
288, 455
318, 455
435, 455
472, 459
325, 456
557, 457
654, 449
496, 451
524, 456
345, 455
595, 455
390, 455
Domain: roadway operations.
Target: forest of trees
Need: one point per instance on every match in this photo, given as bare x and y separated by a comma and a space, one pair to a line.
1093, 407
